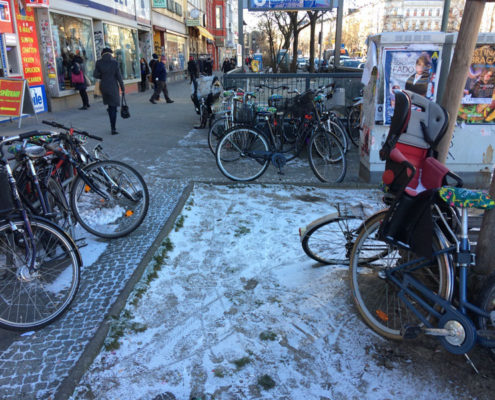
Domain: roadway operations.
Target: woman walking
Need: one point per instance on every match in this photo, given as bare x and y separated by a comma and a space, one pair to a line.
78, 80
145, 71
107, 69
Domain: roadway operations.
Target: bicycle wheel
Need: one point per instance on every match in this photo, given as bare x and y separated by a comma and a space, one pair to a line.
58, 205
326, 157
242, 154
109, 199
217, 131
486, 302
33, 299
353, 125
339, 133
329, 240
377, 298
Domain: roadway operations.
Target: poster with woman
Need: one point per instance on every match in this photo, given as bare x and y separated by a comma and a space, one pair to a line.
478, 101
411, 69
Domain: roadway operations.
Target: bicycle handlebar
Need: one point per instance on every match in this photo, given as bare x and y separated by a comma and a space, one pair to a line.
84, 133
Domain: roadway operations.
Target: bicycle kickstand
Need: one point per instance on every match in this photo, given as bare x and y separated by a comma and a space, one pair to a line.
470, 362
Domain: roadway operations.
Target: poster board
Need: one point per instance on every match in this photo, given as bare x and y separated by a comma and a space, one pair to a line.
478, 101
413, 68
15, 98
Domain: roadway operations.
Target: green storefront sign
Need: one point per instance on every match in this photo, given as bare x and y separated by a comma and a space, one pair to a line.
159, 3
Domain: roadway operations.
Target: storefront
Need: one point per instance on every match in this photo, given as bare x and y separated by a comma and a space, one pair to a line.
19, 51
83, 28
170, 38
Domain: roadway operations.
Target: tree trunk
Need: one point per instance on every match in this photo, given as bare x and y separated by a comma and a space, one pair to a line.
312, 31
295, 43
456, 80
485, 252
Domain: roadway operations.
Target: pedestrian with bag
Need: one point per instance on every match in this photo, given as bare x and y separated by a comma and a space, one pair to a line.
159, 75
107, 70
145, 71
78, 79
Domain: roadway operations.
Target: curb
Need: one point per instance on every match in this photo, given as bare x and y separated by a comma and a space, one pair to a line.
93, 348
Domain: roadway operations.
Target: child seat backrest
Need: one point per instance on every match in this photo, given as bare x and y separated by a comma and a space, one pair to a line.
427, 123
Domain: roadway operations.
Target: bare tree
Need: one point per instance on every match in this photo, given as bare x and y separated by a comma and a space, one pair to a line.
267, 25
297, 25
313, 17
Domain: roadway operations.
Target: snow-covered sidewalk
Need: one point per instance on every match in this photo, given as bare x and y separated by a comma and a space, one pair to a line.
238, 311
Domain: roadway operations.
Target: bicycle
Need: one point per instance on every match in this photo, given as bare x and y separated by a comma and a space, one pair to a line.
245, 152
329, 239
39, 263
108, 198
418, 285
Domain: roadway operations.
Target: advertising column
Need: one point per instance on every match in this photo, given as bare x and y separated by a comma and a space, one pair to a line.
30, 55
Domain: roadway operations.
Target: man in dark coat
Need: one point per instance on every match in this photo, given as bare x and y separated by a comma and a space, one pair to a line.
107, 69
159, 75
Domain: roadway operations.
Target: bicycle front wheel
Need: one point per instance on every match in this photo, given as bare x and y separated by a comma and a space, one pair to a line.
31, 299
242, 154
327, 157
376, 297
330, 240
109, 199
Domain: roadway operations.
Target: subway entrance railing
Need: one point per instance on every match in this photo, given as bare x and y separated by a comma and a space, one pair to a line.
349, 81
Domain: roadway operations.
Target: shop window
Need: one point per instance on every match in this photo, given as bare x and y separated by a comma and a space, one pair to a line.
123, 42
175, 52
72, 36
218, 16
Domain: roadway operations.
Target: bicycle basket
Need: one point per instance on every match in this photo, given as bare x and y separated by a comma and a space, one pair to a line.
244, 113
301, 104
6, 199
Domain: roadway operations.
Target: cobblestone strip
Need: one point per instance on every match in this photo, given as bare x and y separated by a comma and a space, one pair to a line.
34, 366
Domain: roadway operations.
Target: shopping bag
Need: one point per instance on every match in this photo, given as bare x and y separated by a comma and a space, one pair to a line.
124, 109
97, 91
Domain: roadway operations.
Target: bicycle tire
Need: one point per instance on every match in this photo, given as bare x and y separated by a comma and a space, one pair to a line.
486, 302
329, 240
217, 131
375, 297
327, 157
127, 199
353, 125
58, 205
236, 154
340, 133
32, 300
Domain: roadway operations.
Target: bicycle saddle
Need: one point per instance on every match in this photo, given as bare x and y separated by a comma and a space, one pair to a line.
466, 198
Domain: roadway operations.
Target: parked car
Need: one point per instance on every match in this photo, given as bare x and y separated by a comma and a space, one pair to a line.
302, 63
352, 63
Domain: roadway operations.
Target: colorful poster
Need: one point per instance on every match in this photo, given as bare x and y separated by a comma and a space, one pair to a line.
478, 102
28, 42
409, 69
11, 97
5, 18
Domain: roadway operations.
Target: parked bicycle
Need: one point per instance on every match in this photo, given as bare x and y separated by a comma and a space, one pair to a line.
39, 263
419, 283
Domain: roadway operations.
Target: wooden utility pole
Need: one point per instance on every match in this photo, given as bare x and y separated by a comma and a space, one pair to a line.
456, 80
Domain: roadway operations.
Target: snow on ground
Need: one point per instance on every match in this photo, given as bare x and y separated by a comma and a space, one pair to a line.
237, 299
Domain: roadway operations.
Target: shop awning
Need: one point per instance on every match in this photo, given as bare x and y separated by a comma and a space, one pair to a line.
204, 32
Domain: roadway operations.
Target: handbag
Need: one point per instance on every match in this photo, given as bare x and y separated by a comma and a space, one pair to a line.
77, 78
124, 109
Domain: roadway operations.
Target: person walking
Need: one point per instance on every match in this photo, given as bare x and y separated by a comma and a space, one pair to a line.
226, 66
107, 70
192, 69
78, 80
153, 61
159, 75
145, 71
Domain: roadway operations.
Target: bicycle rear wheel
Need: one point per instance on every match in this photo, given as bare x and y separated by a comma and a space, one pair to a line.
339, 133
330, 239
111, 200
353, 125
327, 157
217, 131
33, 299
377, 298
242, 154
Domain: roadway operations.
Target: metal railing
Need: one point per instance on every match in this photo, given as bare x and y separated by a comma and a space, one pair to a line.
350, 81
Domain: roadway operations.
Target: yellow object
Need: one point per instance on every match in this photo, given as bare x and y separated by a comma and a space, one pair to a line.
490, 117
87, 188
129, 213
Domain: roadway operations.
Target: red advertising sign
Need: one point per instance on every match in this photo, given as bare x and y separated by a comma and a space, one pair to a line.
28, 42
37, 3
11, 97
5, 18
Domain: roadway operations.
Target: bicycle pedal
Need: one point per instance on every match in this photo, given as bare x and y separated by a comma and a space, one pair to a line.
81, 242
411, 331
